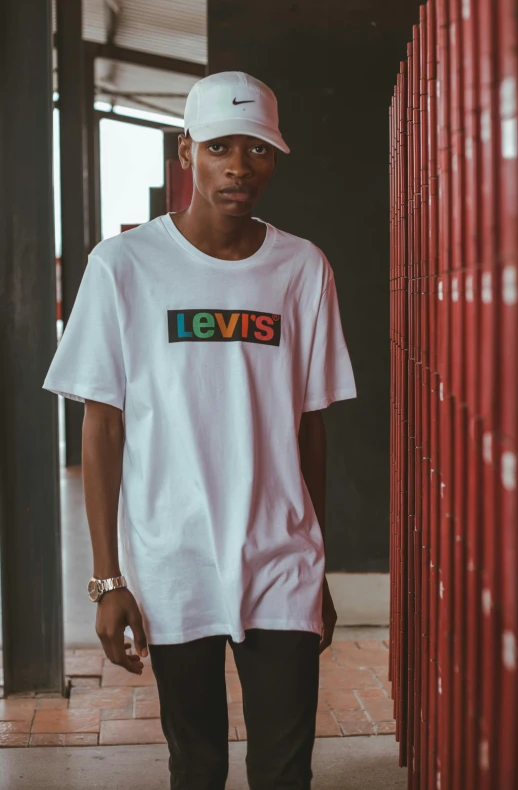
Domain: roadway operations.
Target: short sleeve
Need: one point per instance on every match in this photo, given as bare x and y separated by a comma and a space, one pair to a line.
88, 362
330, 374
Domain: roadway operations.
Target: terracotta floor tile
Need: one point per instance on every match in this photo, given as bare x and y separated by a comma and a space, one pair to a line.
81, 739
345, 715
109, 714
234, 690
384, 727
236, 719
327, 661
114, 675
354, 722
47, 739
344, 646
146, 708
83, 665
342, 678
387, 685
14, 739
64, 739
101, 697
98, 652
145, 692
326, 726
7, 727
85, 682
123, 708
372, 644
379, 709
235, 713
12, 709
363, 658
21, 695
66, 721
336, 699
131, 731
365, 727
57, 703
375, 692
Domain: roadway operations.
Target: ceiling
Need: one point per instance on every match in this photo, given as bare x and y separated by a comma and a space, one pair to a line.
172, 28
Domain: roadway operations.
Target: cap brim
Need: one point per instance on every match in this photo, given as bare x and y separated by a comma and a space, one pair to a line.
208, 131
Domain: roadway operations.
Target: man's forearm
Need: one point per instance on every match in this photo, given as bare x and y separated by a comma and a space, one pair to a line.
312, 445
103, 442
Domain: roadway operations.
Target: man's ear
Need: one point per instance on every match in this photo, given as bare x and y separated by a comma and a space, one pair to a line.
185, 151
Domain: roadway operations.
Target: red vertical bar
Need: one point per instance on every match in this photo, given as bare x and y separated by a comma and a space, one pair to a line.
434, 435
403, 690
490, 622
391, 394
393, 585
401, 208
425, 402
417, 551
507, 367
446, 407
458, 389
471, 62
410, 481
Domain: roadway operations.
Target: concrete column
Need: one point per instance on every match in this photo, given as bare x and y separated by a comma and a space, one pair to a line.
73, 141
30, 551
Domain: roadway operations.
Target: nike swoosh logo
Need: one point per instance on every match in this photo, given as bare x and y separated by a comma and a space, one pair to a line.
246, 101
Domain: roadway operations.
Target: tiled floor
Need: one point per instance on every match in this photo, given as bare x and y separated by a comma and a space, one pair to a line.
108, 705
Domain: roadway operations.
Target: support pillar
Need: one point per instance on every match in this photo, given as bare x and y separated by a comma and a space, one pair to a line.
74, 184
30, 550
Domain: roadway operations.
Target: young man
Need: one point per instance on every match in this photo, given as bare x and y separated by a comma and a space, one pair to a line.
204, 345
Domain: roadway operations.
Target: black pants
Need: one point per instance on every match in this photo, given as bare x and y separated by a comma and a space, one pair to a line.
279, 675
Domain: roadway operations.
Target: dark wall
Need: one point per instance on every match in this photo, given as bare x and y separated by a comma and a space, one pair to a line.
333, 65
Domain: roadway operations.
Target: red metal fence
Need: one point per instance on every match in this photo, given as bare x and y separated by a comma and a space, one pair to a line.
454, 398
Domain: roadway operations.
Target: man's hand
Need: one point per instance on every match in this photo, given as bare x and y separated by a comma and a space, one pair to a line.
115, 610
329, 617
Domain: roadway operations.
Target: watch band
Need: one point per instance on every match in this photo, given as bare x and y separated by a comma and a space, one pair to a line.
112, 584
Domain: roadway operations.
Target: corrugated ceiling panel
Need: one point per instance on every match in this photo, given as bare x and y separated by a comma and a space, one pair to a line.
175, 28
167, 27
93, 20
138, 81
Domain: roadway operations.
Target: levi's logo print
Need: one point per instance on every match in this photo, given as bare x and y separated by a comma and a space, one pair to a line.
211, 324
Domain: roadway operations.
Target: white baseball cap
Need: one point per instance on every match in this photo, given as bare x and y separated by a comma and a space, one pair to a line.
232, 102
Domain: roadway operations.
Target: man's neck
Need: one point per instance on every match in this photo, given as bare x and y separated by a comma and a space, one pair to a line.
217, 234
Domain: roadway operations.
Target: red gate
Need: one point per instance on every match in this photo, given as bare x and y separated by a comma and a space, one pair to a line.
454, 398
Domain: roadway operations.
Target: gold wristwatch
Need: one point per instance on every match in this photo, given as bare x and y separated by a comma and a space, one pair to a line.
97, 587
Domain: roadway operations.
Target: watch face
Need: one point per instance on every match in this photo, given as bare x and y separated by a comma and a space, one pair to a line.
93, 591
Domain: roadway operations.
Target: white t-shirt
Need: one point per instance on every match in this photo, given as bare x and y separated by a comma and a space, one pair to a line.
212, 362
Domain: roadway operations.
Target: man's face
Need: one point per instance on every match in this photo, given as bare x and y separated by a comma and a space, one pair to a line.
232, 172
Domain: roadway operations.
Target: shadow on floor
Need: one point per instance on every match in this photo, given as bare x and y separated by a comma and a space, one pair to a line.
359, 763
